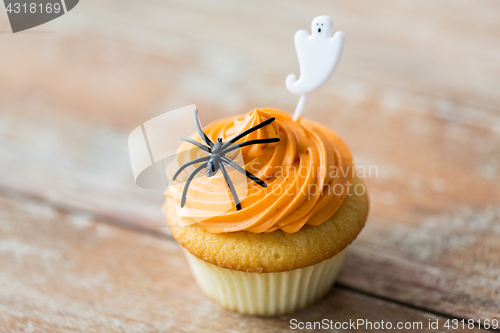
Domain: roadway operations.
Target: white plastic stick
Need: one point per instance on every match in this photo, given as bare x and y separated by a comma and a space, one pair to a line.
300, 107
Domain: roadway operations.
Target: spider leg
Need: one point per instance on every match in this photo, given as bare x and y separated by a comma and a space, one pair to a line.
248, 131
188, 181
197, 144
229, 162
248, 143
185, 165
231, 186
200, 130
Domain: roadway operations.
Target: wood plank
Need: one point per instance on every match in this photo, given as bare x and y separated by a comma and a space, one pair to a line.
447, 50
429, 184
444, 284
424, 164
70, 273
74, 165
414, 104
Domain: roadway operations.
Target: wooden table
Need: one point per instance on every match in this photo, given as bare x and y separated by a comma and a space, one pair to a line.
417, 94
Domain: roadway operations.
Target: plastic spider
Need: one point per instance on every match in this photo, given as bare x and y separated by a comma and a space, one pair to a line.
217, 159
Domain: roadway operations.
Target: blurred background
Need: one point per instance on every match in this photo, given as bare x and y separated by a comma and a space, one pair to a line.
416, 94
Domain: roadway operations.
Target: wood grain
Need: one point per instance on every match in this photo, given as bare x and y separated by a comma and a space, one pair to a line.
434, 213
69, 273
415, 95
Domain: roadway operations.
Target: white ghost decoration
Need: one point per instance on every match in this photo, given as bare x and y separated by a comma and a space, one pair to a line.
319, 54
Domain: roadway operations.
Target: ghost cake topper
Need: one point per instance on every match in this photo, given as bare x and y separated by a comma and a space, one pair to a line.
318, 54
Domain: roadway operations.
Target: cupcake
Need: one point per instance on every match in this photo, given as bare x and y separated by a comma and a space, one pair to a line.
279, 247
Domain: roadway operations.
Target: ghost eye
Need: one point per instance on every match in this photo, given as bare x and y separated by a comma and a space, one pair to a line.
321, 23
317, 24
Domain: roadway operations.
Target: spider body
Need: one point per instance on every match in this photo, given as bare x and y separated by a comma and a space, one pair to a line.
218, 160
215, 159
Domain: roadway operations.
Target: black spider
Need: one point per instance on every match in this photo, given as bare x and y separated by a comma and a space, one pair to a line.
217, 160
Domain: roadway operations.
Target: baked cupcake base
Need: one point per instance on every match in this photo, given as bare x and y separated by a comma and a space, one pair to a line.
273, 273
265, 294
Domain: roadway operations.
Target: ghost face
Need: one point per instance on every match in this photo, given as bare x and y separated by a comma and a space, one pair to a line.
322, 25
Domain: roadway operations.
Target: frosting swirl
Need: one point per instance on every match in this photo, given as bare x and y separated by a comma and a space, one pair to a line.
308, 174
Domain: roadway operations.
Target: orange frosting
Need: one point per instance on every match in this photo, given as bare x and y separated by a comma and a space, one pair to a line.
308, 174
